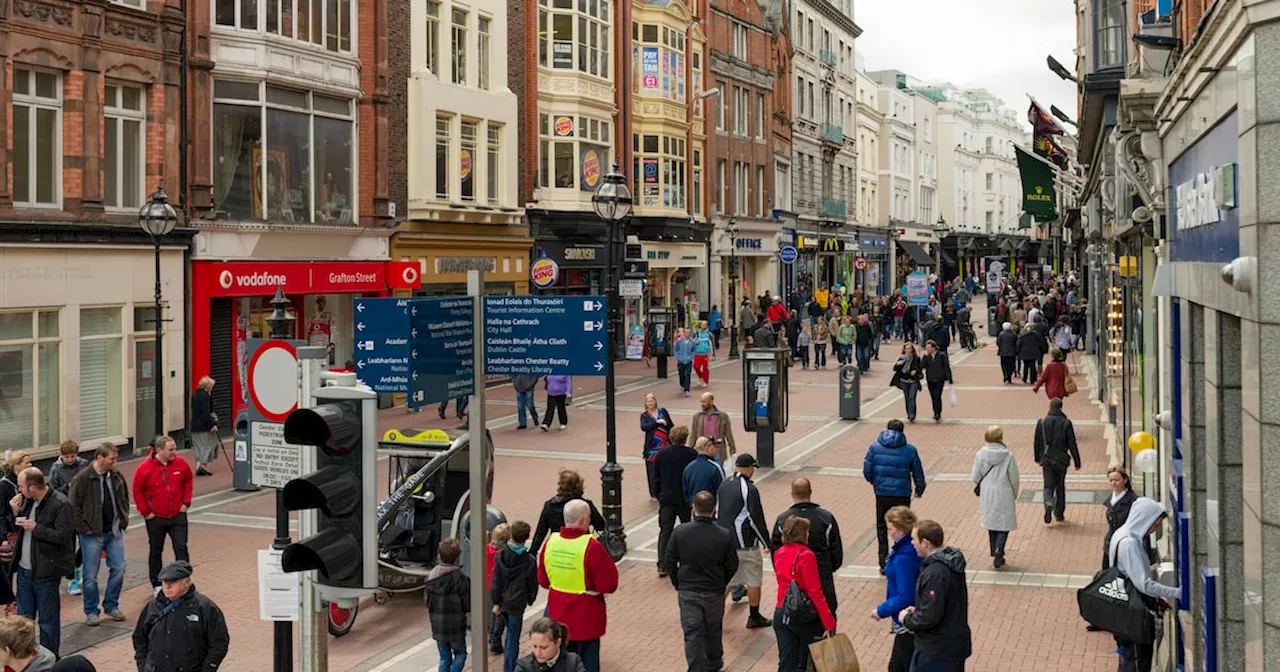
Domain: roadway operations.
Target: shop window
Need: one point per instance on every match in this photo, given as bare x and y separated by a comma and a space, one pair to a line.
124, 151
30, 399
146, 368
101, 373
578, 37
37, 140
266, 166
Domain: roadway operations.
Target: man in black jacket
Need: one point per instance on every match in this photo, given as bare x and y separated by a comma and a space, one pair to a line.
1007, 349
765, 336
864, 342
100, 508
1055, 449
824, 535
45, 552
940, 617
741, 512
180, 629
671, 462
701, 557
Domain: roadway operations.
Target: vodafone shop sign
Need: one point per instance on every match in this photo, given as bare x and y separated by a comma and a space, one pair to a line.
251, 278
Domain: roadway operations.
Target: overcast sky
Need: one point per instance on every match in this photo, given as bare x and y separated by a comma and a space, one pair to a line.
998, 45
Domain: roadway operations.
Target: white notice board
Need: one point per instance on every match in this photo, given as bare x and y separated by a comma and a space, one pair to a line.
278, 592
275, 462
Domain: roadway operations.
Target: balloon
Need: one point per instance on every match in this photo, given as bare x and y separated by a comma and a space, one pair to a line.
1140, 441
1147, 461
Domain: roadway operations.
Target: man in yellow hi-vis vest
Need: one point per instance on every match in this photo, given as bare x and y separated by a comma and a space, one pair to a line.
577, 572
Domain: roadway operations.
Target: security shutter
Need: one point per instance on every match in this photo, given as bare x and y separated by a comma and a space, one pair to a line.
222, 361
97, 356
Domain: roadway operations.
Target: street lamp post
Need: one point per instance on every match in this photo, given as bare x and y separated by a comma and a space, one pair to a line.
612, 201
732, 231
939, 228
158, 219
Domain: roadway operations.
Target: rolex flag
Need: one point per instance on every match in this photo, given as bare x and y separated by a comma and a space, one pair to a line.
1038, 197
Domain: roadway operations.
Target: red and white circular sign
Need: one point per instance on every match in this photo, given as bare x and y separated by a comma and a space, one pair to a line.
273, 380
860, 263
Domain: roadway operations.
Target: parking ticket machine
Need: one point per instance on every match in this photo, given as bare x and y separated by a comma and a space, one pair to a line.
662, 336
764, 402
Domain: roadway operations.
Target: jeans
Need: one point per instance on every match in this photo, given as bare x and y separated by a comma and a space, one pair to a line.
1008, 367
923, 662
996, 541
1134, 657
524, 401
864, 358
935, 395
157, 528
793, 642
589, 652
904, 644
803, 350
511, 648
897, 327
909, 395
667, 516
702, 620
846, 353
556, 403
875, 345
92, 547
685, 370
39, 600
883, 504
1055, 490
819, 355
453, 655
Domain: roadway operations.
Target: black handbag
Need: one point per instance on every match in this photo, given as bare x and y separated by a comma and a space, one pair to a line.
977, 489
1112, 603
796, 604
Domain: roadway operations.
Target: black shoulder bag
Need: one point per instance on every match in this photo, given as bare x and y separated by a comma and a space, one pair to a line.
797, 606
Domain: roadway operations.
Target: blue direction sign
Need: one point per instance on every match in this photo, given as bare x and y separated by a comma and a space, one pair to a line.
545, 335
441, 349
382, 344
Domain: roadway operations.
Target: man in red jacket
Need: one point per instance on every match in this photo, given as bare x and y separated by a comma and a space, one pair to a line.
162, 493
577, 572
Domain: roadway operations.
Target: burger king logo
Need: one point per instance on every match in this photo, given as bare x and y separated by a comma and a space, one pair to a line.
466, 164
543, 273
590, 167
564, 126
225, 279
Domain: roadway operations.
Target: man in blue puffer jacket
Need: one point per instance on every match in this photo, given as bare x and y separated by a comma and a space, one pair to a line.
891, 466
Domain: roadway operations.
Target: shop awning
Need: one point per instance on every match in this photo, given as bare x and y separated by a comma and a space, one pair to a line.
947, 258
1024, 246
916, 253
1007, 245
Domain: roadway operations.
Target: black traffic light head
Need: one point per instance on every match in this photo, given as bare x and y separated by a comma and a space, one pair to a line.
341, 490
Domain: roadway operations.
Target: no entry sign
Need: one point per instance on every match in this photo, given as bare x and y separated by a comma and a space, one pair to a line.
273, 380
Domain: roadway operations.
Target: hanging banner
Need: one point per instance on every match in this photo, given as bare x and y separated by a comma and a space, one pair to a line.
649, 68
1038, 197
635, 343
917, 289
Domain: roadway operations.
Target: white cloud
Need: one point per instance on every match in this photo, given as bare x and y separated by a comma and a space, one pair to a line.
998, 45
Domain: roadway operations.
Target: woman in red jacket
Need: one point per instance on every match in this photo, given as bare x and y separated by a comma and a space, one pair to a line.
795, 562
1054, 377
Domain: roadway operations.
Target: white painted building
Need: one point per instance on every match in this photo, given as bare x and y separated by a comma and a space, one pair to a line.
897, 154
868, 121
925, 177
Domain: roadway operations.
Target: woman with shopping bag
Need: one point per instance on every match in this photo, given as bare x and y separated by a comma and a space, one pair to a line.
937, 374
802, 615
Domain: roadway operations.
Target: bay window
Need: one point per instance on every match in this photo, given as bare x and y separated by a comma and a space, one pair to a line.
695, 193
697, 83
30, 397
572, 36
323, 23
661, 168
658, 61
37, 138
124, 151
101, 373
573, 152
282, 155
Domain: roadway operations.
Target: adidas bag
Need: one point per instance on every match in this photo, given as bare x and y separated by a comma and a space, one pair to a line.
1112, 603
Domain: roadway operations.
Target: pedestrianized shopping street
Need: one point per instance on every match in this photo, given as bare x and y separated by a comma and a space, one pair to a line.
1023, 616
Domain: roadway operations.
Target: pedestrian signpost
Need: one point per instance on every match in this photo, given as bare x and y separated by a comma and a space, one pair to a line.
275, 461
441, 349
382, 343
545, 335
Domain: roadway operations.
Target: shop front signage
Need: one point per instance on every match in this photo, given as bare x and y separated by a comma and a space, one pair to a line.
261, 278
635, 270
543, 273
871, 243
675, 255
1202, 193
575, 255
749, 243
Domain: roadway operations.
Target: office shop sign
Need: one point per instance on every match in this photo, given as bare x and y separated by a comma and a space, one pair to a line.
1205, 224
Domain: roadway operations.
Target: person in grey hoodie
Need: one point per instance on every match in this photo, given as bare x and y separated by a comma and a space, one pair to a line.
1128, 553
65, 468
19, 649
524, 386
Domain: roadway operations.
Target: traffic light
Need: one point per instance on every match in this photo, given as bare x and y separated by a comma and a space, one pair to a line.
344, 550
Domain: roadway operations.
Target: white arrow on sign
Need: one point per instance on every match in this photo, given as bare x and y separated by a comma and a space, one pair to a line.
360, 326
415, 375
599, 326
599, 366
360, 364
359, 307
599, 305
413, 332
364, 345
599, 346
414, 354
413, 310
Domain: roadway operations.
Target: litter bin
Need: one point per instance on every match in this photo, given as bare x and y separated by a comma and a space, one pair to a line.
850, 388
242, 472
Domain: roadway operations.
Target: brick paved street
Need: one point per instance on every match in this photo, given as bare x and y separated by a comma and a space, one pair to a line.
1023, 616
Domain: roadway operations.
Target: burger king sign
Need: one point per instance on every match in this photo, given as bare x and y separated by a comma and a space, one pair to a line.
543, 273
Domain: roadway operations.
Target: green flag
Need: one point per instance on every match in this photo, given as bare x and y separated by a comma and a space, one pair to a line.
1038, 197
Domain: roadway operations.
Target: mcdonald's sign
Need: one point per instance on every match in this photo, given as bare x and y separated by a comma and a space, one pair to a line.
832, 245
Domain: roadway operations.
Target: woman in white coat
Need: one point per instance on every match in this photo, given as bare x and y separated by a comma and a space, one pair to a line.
995, 476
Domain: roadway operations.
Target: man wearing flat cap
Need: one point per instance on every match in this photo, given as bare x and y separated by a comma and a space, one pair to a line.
180, 630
